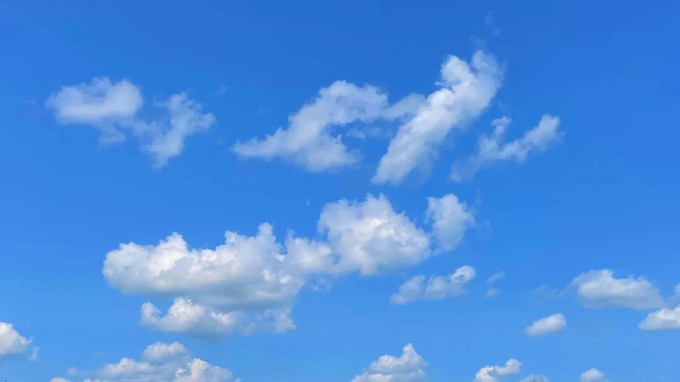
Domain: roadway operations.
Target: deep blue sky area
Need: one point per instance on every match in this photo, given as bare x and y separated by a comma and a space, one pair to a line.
601, 195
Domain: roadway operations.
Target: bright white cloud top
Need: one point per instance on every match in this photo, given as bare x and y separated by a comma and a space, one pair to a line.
466, 90
662, 319
409, 367
547, 325
592, 375
11, 342
113, 109
435, 287
601, 289
496, 373
492, 149
160, 362
250, 283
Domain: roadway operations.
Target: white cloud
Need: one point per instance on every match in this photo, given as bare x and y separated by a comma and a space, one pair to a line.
370, 237
160, 362
310, 140
535, 378
600, 288
450, 219
662, 319
592, 375
59, 380
113, 109
551, 324
250, 283
408, 367
496, 373
436, 287
496, 277
11, 342
466, 91
492, 149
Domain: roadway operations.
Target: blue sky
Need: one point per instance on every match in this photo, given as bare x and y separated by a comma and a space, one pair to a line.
453, 185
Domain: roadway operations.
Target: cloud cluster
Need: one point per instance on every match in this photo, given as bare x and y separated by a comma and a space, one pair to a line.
435, 287
600, 288
409, 367
160, 362
114, 108
250, 283
11, 342
496, 373
311, 139
492, 149
547, 325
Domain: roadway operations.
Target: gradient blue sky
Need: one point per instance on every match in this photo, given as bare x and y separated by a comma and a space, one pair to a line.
602, 196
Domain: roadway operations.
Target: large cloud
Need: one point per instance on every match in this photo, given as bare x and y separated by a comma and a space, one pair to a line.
250, 283
11, 342
435, 287
113, 109
600, 288
409, 367
308, 141
492, 148
160, 362
466, 91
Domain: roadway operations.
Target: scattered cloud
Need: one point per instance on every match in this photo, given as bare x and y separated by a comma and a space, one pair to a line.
547, 325
114, 108
496, 373
662, 319
535, 378
600, 288
492, 149
466, 90
492, 292
592, 375
250, 283
450, 219
491, 280
408, 367
11, 342
310, 140
434, 288
160, 362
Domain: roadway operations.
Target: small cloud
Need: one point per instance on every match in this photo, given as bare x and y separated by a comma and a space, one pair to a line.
547, 325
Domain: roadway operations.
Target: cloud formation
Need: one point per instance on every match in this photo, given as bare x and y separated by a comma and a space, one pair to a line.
113, 109
592, 375
547, 325
600, 288
409, 367
491, 149
466, 90
434, 288
450, 220
662, 319
11, 342
160, 362
250, 283
496, 373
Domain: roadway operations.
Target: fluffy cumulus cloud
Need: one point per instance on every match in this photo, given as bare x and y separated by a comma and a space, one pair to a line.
547, 325
592, 375
492, 149
662, 319
11, 342
310, 139
160, 362
435, 287
409, 367
450, 220
466, 91
249, 283
114, 107
496, 373
600, 288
